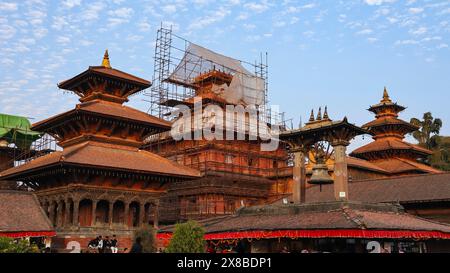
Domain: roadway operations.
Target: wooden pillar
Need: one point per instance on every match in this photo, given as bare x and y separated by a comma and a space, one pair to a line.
110, 213
299, 177
52, 213
141, 214
67, 215
340, 171
59, 214
94, 209
156, 216
126, 212
76, 206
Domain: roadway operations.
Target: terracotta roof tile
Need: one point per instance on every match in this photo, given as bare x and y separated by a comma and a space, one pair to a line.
389, 144
388, 120
106, 156
21, 212
403, 189
110, 109
364, 164
400, 165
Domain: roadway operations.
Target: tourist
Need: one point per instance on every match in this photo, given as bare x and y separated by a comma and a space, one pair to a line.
93, 243
106, 245
114, 244
285, 250
100, 244
137, 246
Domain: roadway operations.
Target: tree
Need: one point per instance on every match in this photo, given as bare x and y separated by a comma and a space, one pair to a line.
428, 131
187, 238
148, 238
441, 154
9, 245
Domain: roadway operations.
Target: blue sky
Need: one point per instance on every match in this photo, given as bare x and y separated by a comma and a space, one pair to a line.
335, 53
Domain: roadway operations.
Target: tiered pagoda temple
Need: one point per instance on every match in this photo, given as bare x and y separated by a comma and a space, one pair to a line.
100, 183
389, 151
235, 173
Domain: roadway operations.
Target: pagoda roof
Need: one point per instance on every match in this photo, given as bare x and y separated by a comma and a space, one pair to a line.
364, 164
420, 188
106, 72
21, 215
399, 165
107, 109
322, 220
103, 156
386, 144
388, 120
385, 103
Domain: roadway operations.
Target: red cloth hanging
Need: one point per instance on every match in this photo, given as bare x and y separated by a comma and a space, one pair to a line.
331, 233
28, 234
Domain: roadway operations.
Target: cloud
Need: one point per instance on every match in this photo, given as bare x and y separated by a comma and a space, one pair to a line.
92, 11
415, 10
419, 31
257, 7
366, 31
212, 18
121, 12
5, 6
71, 3
378, 2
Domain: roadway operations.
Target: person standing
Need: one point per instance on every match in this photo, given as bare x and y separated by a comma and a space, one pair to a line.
106, 245
114, 244
100, 244
137, 246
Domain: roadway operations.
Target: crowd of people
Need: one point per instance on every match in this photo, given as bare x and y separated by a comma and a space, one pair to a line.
104, 245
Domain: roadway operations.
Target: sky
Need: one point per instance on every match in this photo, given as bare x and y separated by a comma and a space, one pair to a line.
335, 53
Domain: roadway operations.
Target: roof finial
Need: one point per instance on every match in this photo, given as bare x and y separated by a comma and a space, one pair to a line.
325, 114
311, 118
105, 61
385, 96
319, 114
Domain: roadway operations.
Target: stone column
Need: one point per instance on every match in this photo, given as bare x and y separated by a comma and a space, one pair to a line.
75, 220
299, 177
126, 212
340, 171
141, 214
59, 214
94, 209
110, 213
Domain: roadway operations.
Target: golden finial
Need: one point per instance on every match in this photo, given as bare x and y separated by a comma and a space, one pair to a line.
105, 62
386, 96
325, 114
319, 114
311, 118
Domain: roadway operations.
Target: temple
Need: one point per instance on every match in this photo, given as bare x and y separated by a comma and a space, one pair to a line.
389, 151
235, 173
100, 182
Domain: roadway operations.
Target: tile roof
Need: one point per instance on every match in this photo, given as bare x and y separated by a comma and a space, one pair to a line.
389, 144
401, 165
364, 164
110, 109
403, 189
105, 156
387, 121
320, 216
107, 72
20, 211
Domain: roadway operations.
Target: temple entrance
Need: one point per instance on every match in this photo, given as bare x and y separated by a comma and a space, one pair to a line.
101, 213
133, 216
118, 212
85, 213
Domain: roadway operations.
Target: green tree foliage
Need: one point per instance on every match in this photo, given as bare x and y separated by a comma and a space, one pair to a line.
148, 238
428, 132
441, 154
9, 245
187, 238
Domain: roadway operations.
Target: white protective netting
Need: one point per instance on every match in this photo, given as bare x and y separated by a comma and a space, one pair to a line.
245, 88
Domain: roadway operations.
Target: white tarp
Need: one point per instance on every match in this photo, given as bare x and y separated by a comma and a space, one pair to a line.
245, 87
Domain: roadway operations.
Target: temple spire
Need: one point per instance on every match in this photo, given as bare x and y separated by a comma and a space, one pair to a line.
319, 115
386, 96
325, 114
105, 62
311, 118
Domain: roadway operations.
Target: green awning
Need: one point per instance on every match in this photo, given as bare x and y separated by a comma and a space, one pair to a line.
15, 129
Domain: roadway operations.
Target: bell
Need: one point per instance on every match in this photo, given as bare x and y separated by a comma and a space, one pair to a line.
320, 175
